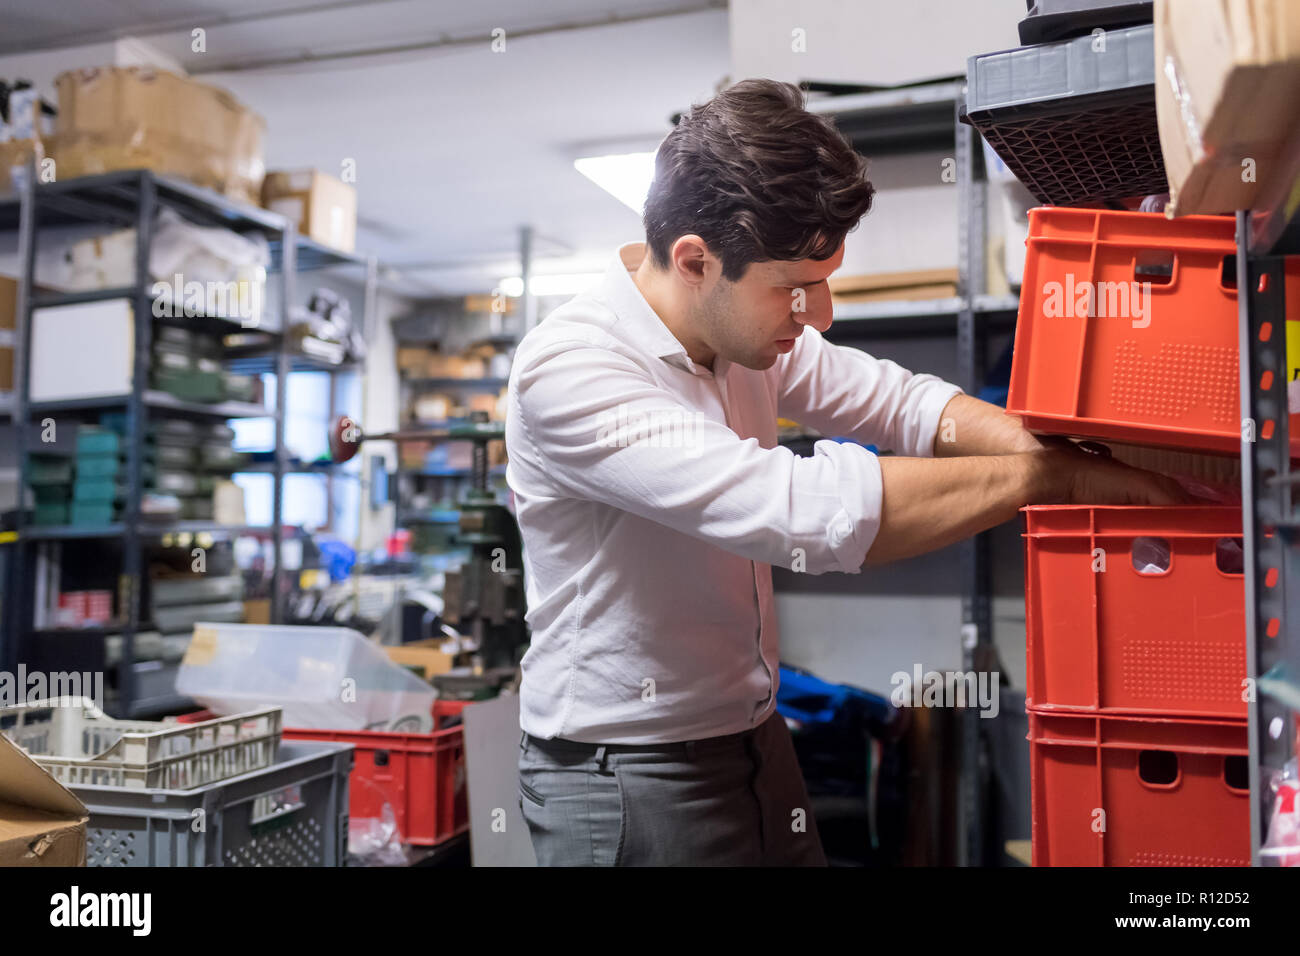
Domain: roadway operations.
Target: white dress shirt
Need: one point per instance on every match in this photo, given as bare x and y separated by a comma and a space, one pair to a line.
653, 499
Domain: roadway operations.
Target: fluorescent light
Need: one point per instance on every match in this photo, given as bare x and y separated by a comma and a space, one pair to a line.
625, 176
561, 283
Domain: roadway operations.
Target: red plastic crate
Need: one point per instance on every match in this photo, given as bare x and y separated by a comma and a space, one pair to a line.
422, 776
1169, 792
1173, 382
1120, 641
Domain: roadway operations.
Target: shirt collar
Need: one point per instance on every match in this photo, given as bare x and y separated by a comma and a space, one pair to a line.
640, 323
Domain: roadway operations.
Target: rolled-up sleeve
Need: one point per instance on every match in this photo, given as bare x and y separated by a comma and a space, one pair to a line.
596, 426
844, 391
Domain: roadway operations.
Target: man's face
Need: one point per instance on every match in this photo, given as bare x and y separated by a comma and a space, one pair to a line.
755, 319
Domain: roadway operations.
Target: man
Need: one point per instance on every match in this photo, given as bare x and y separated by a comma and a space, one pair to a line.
653, 498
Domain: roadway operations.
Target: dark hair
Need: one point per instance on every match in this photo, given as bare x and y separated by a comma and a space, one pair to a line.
757, 177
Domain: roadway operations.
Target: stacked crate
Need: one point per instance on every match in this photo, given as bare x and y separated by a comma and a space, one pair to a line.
99, 489
1136, 673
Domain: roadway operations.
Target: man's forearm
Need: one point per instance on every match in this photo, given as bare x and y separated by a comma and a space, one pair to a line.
969, 426
931, 504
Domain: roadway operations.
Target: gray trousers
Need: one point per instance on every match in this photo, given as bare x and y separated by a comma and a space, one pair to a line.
737, 800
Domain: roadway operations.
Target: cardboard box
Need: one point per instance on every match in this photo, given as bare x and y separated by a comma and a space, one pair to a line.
500, 304
257, 611
895, 286
426, 657
8, 303
41, 822
419, 361
115, 118
324, 208
1227, 81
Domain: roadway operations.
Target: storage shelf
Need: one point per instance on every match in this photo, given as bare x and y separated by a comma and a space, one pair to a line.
50, 299
486, 382
262, 359
312, 255
448, 472
302, 468
147, 528
114, 197
159, 400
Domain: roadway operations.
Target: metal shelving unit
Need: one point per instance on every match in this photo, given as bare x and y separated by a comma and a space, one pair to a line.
129, 199
1270, 510
126, 199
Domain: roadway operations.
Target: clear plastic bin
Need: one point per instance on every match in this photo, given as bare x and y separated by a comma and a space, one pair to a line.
328, 678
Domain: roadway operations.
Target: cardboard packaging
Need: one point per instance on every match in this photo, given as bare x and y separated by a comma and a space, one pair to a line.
8, 303
115, 118
324, 208
1227, 81
41, 822
426, 657
894, 286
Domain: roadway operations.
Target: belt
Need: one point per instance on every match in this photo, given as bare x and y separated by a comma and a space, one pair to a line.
688, 748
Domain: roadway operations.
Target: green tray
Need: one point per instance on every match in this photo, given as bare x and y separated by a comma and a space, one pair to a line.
45, 470
92, 440
50, 514
88, 512
97, 491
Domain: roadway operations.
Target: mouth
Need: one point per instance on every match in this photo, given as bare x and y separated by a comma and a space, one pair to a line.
786, 344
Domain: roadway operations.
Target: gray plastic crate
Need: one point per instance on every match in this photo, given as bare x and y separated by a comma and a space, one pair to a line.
1074, 120
293, 813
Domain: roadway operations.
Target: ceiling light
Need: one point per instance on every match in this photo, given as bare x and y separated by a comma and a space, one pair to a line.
625, 176
561, 283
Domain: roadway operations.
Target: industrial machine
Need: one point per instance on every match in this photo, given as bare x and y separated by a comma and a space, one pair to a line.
484, 598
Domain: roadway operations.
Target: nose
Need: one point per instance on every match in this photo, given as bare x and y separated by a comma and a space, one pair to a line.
818, 312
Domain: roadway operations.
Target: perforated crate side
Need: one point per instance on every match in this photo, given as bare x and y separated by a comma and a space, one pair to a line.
1108, 152
161, 828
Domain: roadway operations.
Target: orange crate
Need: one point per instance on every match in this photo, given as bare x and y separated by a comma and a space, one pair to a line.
1120, 641
1138, 791
1097, 357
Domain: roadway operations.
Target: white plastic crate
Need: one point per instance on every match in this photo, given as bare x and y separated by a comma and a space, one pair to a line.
80, 745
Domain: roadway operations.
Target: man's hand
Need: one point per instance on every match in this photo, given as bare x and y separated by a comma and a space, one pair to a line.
1069, 475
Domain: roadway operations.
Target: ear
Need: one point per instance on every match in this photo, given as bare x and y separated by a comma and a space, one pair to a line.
692, 262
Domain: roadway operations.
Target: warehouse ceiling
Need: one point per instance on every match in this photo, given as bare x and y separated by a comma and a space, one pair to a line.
455, 146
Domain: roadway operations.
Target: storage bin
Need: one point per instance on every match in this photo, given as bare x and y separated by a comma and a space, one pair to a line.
76, 743
1170, 642
324, 677
292, 813
1100, 355
1131, 791
1074, 120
